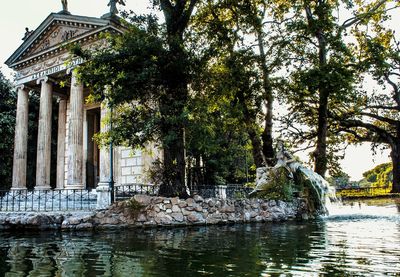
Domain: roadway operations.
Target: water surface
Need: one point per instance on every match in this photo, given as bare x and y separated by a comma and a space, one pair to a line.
359, 239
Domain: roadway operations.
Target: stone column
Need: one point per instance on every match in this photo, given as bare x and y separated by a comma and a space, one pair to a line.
104, 151
21, 140
62, 117
85, 146
43, 161
103, 190
75, 135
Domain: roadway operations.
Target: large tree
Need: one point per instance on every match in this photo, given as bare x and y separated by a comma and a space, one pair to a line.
147, 71
374, 116
325, 69
242, 36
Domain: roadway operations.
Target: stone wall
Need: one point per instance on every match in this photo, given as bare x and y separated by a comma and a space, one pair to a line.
130, 166
146, 211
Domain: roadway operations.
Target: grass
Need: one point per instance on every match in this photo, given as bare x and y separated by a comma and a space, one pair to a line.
372, 192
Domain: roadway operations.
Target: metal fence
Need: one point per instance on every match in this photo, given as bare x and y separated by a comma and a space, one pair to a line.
84, 200
124, 192
47, 200
233, 191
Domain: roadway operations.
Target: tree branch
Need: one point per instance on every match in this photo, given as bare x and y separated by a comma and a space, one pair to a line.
395, 108
357, 18
167, 9
381, 134
381, 118
396, 91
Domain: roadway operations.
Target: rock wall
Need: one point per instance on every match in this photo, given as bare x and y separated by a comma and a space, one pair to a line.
146, 211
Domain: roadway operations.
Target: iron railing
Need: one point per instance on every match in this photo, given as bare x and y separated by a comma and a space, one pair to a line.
233, 191
123, 192
47, 200
83, 200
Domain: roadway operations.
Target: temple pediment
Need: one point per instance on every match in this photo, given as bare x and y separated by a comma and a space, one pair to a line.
54, 32
55, 35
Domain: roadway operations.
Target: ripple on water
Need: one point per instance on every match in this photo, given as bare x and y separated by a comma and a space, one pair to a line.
365, 242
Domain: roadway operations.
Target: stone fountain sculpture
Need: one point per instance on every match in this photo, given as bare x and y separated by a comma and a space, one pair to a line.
290, 178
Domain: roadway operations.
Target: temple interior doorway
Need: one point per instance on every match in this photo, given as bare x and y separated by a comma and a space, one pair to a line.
93, 151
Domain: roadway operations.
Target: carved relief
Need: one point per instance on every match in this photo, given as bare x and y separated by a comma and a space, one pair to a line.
50, 62
54, 64
38, 67
69, 34
58, 35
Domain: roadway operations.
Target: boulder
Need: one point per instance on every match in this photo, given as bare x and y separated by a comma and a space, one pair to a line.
142, 199
177, 216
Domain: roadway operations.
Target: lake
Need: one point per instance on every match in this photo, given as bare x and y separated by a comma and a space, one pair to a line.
358, 239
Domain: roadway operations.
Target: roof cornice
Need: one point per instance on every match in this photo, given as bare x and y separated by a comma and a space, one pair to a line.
101, 23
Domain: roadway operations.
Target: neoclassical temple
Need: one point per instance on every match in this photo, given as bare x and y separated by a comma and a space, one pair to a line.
43, 64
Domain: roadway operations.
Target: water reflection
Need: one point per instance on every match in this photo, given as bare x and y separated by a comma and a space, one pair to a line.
222, 250
331, 247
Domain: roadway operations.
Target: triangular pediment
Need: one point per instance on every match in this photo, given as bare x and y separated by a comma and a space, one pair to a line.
55, 35
56, 31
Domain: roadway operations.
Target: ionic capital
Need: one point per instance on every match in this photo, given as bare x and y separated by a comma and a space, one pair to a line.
21, 87
71, 69
24, 87
46, 79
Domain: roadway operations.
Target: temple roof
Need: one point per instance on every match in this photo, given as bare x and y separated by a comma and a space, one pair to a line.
56, 31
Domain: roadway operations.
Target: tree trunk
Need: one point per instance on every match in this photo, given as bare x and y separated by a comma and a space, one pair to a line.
177, 15
267, 139
257, 152
172, 106
319, 154
395, 155
174, 167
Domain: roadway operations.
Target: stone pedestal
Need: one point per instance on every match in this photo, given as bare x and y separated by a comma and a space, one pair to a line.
221, 192
75, 135
43, 162
21, 140
103, 196
62, 116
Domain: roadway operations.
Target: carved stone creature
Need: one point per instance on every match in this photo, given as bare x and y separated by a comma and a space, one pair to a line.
64, 5
27, 33
268, 178
113, 5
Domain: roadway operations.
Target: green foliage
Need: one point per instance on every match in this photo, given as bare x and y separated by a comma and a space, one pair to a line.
366, 192
216, 131
373, 115
380, 176
7, 125
278, 187
134, 207
340, 180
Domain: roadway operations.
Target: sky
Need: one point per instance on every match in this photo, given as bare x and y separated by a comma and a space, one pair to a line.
18, 14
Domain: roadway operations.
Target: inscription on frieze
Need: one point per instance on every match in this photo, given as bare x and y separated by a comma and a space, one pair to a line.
49, 71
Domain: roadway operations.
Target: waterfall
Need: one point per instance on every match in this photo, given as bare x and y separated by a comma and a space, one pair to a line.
289, 176
323, 191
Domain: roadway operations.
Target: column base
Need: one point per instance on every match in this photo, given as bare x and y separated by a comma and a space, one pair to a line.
18, 188
42, 188
74, 186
